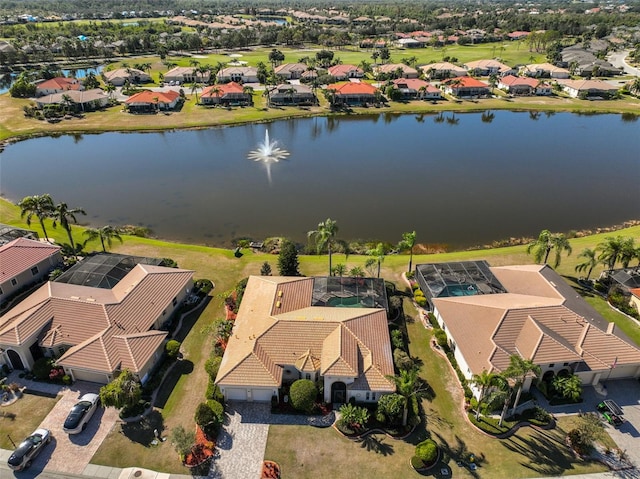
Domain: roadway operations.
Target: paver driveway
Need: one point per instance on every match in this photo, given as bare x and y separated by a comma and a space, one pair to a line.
71, 454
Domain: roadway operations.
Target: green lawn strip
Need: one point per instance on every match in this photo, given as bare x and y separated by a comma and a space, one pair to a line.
630, 327
30, 410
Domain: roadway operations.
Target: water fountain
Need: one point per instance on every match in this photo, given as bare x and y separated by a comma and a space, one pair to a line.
268, 152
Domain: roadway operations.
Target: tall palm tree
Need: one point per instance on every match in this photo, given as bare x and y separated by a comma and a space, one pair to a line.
590, 261
547, 241
628, 251
65, 216
484, 381
40, 206
377, 254
611, 250
519, 368
408, 384
408, 241
105, 234
325, 237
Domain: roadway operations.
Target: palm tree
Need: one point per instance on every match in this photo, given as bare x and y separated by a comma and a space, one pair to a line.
408, 384
519, 368
611, 250
590, 261
546, 241
356, 272
325, 237
484, 381
40, 206
408, 241
247, 90
65, 216
377, 254
628, 251
106, 233
339, 270
194, 90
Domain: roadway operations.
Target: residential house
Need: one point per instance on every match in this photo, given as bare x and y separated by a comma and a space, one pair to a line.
529, 311
409, 43
634, 300
77, 100
626, 278
489, 67
121, 76
238, 75
585, 63
344, 72
589, 89
518, 35
524, 86
181, 75
443, 70
24, 262
149, 101
231, 93
416, 89
57, 85
544, 70
289, 328
466, 87
288, 94
354, 94
290, 71
8, 233
397, 70
94, 332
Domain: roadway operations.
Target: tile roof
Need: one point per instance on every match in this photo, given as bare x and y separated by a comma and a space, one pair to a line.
22, 254
343, 70
533, 320
486, 64
392, 67
415, 84
353, 88
124, 73
466, 82
221, 89
84, 96
290, 67
60, 83
444, 66
511, 80
276, 327
588, 85
103, 329
147, 96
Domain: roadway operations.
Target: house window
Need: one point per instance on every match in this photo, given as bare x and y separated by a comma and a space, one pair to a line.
13, 282
175, 301
308, 376
373, 396
566, 364
34, 270
367, 395
552, 365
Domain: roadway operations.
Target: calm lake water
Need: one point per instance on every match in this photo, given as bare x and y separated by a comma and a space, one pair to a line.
457, 180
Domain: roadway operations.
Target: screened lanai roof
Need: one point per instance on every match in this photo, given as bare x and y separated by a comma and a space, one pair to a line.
466, 278
8, 233
104, 270
348, 292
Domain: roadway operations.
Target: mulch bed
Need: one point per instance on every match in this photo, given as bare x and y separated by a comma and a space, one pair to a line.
201, 451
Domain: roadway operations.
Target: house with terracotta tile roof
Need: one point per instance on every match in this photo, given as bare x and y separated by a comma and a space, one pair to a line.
532, 312
589, 89
416, 89
93, 332
524, 86
466, 87
442, 70
290, 328
354, 93
489, 67
395, 70
344, 72
120, 76
24, 262
290, 71
231, 93
149, 101
57, 85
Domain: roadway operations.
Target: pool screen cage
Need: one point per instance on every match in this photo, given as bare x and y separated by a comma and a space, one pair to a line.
104, 270
466, 278
334, 290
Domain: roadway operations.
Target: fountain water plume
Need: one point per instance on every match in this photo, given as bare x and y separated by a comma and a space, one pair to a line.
268, 152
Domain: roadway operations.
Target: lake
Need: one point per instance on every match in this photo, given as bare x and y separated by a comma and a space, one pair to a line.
457, 179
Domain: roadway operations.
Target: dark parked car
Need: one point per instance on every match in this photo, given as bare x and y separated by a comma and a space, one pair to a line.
80, 414
28, 449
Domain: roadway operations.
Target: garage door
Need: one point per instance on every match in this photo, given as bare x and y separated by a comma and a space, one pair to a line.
236, 394
623, 372
261, 394
90, 376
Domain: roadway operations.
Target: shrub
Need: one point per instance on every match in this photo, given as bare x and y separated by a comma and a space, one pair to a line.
390, 409
217, 408
415, 287
421, 301
66, 380
213, 392
303, 394
427, 451
172, 348
433, 320
203, 286
42, 368
441, 338
397, 339
212, 365
402, 359
204, 415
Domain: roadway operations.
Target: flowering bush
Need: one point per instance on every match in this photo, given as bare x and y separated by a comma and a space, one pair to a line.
56, 374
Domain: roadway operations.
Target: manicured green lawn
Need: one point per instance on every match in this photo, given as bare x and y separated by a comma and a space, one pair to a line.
30, 411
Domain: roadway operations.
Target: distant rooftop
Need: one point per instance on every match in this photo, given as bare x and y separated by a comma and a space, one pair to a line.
350, 292
104, 270
466, 278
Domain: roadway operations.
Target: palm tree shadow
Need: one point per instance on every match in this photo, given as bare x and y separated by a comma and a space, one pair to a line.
459, 454
371, 443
